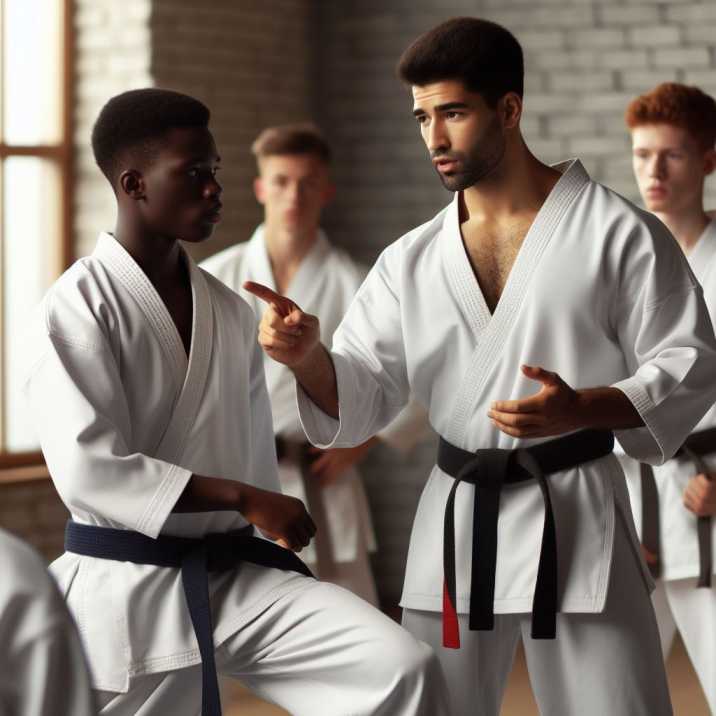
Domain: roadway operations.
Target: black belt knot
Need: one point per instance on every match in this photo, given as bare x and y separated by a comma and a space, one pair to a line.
489, 469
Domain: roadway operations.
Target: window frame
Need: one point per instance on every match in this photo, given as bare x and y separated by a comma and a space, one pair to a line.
62, 154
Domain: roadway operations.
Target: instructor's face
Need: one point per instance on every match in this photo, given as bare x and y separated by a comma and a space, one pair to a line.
462, 133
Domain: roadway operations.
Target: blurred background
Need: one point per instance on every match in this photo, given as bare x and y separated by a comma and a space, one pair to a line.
258, 63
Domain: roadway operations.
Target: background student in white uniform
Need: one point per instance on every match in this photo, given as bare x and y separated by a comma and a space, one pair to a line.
148, 393
537, 304
290, 253
673, 131
42, 666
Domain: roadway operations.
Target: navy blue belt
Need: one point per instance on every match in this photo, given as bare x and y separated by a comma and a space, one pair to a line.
196, 558
489, 469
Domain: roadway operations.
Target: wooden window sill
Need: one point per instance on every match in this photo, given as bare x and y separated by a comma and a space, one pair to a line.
25, 473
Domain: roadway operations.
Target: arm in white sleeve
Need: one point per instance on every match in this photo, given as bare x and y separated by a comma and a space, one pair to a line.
369, 359
666, 335
82, 419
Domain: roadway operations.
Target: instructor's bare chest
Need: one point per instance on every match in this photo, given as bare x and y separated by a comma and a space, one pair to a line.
492, 251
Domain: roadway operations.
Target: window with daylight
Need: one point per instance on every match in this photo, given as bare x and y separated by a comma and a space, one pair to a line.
35, 217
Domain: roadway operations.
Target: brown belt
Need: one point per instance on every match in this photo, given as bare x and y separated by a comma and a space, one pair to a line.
297, 453
696, 446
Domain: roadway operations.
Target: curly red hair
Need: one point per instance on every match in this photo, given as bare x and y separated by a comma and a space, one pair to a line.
678, 105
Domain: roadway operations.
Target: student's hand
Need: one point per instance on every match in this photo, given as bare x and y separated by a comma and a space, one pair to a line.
551, 411
700, 496
331, 464
286, 333
279, 517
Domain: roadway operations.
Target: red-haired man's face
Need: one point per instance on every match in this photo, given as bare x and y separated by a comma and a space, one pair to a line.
670, 167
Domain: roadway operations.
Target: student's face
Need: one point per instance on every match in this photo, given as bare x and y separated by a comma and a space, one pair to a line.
670, 167
464, 136
181, 191
293, 189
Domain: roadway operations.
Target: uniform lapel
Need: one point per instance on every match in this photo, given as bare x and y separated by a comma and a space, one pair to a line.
189, 374
175, 438
498, 327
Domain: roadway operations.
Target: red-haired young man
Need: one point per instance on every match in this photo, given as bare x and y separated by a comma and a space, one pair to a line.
673, 130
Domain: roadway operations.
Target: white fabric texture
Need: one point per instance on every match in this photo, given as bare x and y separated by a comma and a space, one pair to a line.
320, 651
607, 663
678, 604
599, 293
43, 669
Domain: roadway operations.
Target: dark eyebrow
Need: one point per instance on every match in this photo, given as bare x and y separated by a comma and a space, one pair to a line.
443, 107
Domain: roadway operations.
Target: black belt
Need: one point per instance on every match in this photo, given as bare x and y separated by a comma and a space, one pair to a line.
489, 469
698, 444
196, 558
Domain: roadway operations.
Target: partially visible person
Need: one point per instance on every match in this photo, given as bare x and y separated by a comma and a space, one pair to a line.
43, 671
673, 132
535, 315
290, 253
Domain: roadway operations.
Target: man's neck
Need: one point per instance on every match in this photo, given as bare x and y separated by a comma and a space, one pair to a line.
286, 250
517, 187
158, 256
687, 226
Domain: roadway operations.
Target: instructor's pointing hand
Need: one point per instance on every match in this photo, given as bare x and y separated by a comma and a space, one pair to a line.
286, 333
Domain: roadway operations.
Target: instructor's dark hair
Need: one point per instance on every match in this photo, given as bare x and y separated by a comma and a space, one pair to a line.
484, 56
137, 120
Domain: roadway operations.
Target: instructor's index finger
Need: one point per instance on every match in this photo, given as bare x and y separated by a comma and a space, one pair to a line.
264, 292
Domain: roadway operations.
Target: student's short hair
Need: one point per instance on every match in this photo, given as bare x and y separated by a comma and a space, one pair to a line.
137, 120
679, 105
304, 138
482, 55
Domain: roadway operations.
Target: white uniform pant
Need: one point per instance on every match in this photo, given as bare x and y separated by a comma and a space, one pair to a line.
317, 651
680, 605
599, 664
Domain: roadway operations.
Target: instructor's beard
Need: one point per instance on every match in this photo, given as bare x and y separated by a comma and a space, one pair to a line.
476, 164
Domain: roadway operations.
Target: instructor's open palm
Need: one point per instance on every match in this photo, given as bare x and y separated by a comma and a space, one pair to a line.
286, 333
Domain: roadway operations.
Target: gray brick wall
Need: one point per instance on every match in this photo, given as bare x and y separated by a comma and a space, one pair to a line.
252, 63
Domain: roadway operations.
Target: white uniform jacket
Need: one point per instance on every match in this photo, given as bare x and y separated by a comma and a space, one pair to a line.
679, 543
124, 419
599, 293
324, 286
42, 665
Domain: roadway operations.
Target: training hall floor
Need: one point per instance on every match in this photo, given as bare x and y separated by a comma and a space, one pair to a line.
686, 695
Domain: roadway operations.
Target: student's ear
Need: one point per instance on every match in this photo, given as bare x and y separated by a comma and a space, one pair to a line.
259, 190
709, 162
510, 109
132, 184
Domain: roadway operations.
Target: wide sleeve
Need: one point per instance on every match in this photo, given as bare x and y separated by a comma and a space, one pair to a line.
667, 339
369, 358
82, 419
